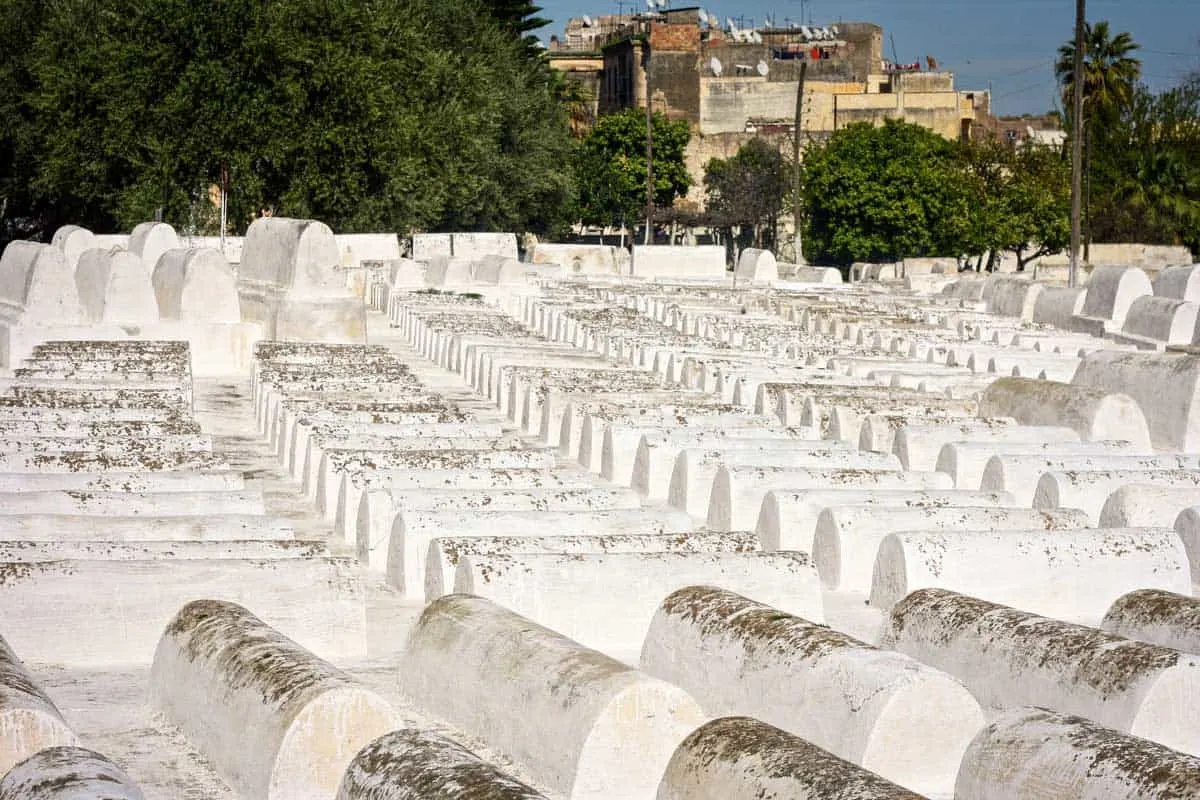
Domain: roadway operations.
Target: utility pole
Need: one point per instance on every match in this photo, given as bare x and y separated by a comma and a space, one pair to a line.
649, 146
224, 202
1076, 144
796, 238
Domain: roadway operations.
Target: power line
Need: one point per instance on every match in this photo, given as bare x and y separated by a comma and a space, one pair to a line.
1174, 53
1020, 89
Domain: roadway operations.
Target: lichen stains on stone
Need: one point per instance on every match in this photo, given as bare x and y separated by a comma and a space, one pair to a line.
250, 654
1105, 663
68, 771
719, 613
413, 764
15, 680
762, 755
1154, 608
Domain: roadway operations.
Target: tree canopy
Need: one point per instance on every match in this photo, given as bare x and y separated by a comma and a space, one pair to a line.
611, 166
1110, 71
421, 114
747, 189
900, 190
883, 193
1141, 149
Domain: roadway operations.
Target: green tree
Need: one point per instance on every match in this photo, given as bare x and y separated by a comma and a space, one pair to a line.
1036, 203
520, 18
611, 166
748, 189
418, 115
1152, 175
884, 193
1110, 73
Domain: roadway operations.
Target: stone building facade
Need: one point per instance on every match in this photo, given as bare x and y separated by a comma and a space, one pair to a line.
732, 86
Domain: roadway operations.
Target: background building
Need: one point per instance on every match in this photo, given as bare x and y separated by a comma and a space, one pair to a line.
732, 85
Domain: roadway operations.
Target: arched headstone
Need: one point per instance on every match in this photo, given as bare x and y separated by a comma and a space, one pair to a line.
37, 286
72, 240
150, 240
115, 286
757, 265
290, 281
196, 285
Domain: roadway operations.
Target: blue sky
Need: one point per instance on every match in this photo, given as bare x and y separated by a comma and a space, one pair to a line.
1012, 43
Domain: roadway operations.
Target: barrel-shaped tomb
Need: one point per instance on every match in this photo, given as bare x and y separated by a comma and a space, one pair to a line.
273, 719
740, 758
1095, 414
1066, 574
1111, 291
115, 286
878, 709
787, 520
68, 773
607, 601
445, 553
1170, 619
1140, 505
846, 539
1034, 752
417, 764
1164, 385
1089, 490
489, 672
37, 286
29, 720
149, 240
735, 501
1010, 658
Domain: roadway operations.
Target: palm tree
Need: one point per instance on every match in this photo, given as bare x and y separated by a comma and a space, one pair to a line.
1110, 74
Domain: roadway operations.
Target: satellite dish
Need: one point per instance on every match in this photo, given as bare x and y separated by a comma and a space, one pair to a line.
757, 37
762, 68
834, 30
729, 24
713, 22
714, 64
587, 21
703, 15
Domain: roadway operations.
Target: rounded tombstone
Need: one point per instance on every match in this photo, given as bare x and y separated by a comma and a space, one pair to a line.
115, 286
499, 270
1111, 291
72, 240
37, 286
1180, 283
1056, 305
757, 265
299, 256
196, 285
150, 240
